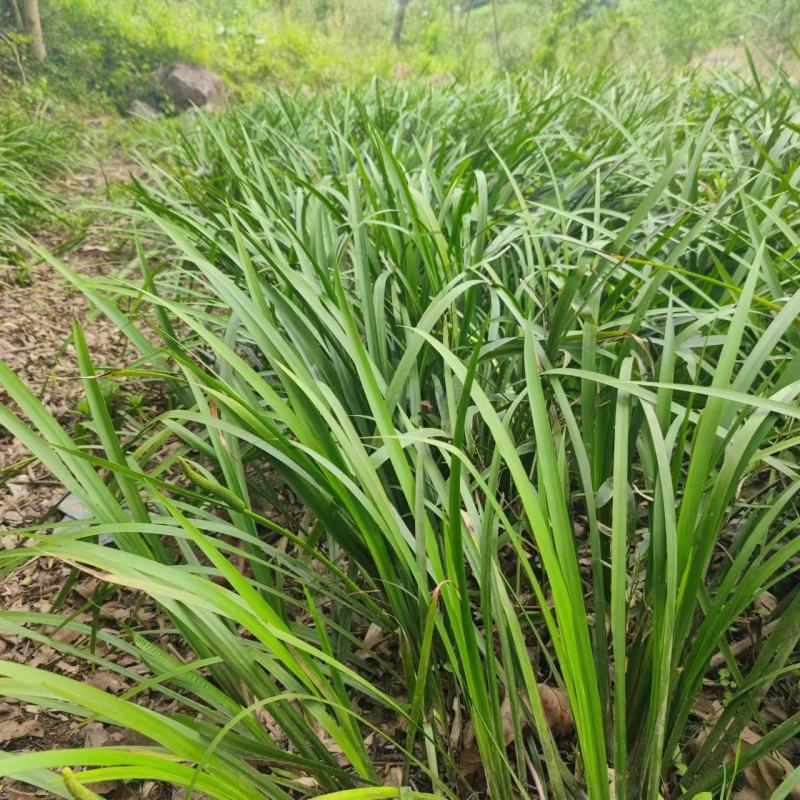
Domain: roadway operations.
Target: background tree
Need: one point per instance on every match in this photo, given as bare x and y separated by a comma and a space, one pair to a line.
33, 27
16, 13
399, 21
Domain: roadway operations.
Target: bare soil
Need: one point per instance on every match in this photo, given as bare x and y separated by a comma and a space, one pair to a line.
36, 315
35, 332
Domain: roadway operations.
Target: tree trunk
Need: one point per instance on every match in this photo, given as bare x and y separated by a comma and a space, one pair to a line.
33, 27
17, 16
497, 36
399, 21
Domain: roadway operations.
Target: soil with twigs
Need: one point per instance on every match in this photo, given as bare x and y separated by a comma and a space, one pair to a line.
37, 307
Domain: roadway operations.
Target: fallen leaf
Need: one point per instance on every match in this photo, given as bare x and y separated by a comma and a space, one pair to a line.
107, 681
17, 730
765, 604
373, 636
556, 711
766, 774
762, 777
8, 710
456, 729
122, 792
18, 794
181, 793
556, 714
394, 776
102, 787
95, 735
131, 738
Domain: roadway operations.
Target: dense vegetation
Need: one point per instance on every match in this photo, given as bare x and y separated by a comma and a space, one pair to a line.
31, 149
108, 51
478, 395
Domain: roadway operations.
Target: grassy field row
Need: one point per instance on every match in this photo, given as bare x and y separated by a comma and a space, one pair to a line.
503, 378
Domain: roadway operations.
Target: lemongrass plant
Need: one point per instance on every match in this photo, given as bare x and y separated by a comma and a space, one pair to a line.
32, 150
526, 354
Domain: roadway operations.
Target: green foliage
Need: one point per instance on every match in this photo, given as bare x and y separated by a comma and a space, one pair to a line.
525, 353
103, 50
108, 52
113, 50
658, 34
33, 148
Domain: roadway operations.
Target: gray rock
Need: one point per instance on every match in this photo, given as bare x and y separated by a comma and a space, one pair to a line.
188, 87
73, 507
18, 489
139, 108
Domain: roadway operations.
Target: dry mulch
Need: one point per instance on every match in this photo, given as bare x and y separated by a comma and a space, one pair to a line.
35, 333
24, 726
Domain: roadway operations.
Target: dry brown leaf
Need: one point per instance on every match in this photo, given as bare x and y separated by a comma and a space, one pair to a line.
102, 787
766, 774
470, 761
612, 783
556, 713
456, 729
131, 738
394, 776
44, 655
8, 711
122, 792
371, 639
95, 735
12, 729
268, 721
508, 721
107, 681
18, 794
761, 778
765, 604
331, 746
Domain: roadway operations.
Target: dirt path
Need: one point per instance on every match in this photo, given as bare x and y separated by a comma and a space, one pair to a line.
35, 330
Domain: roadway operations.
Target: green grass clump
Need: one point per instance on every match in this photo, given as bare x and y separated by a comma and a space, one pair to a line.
504, 376
32, 151
106, 53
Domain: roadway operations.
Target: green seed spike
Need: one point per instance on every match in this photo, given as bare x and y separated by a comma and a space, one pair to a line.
77, 790
231, 499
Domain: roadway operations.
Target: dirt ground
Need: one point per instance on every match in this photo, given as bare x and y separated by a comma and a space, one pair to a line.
35, 330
